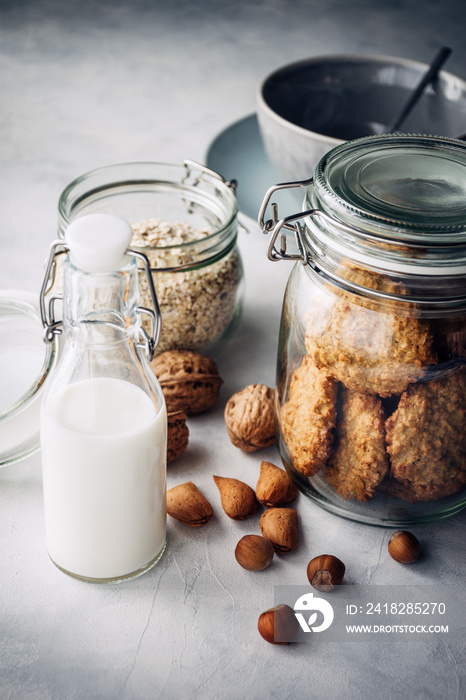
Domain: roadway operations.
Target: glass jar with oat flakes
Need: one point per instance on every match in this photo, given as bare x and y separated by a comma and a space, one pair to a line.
371, 375
184, 219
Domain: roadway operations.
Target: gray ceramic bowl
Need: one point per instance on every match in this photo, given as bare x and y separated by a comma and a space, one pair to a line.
307, 108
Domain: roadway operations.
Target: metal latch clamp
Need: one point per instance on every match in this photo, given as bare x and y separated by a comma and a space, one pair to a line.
289, 223
53, 327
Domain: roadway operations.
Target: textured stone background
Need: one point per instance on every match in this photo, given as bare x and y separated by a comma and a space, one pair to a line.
84, 84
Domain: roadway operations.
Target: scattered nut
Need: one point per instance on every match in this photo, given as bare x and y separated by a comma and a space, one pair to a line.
249, 418
190, 382
280, 526
274, 487
254, 552
278, 625
186, 503
325, 571
178, 435
404, 547
238, 499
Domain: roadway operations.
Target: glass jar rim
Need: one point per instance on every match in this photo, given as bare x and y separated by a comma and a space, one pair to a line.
382, 185
157, 174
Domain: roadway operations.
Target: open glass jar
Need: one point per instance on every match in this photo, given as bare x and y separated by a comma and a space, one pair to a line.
184, 219
371, 375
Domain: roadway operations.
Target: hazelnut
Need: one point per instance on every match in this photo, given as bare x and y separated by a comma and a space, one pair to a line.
189, 381
404, 547
325, 571
250, 418
254, 552
278, 625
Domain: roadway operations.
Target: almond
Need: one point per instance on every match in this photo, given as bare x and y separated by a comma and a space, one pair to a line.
186, 503
280, 527
238, 499
274, 487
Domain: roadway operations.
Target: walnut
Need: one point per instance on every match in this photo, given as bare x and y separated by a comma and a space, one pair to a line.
274, 487
178, 435
190, 382
250, 419
189, 505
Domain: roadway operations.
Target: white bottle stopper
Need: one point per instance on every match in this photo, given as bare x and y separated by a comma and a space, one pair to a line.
98, 242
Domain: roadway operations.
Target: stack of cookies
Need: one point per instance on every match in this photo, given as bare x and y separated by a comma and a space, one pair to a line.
379, 401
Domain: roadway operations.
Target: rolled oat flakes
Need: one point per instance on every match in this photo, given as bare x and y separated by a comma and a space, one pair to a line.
198, 304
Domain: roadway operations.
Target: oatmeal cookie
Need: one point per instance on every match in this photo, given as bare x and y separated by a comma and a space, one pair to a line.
370, 347
393, 488
360, 460
308, 418
426, 438
450, 337
370, 279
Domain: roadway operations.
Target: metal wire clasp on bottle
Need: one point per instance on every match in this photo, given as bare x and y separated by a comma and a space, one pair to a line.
54, 326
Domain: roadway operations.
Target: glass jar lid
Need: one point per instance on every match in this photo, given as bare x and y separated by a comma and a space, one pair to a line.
413, 186
25, 363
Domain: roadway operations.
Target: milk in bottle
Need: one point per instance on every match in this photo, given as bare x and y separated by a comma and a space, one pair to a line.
103, 419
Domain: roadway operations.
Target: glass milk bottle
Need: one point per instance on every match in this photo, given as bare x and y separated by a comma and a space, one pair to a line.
103, 417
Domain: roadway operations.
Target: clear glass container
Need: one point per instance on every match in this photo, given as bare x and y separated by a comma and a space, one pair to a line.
25, 365
371, 376
103, 422
184, 219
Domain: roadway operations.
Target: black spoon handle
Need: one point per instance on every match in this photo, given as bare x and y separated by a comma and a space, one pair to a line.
428, 77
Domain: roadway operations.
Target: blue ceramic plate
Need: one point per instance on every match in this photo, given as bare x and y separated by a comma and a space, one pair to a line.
237, 153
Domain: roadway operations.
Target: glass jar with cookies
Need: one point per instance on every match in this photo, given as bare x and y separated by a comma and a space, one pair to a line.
371, 371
